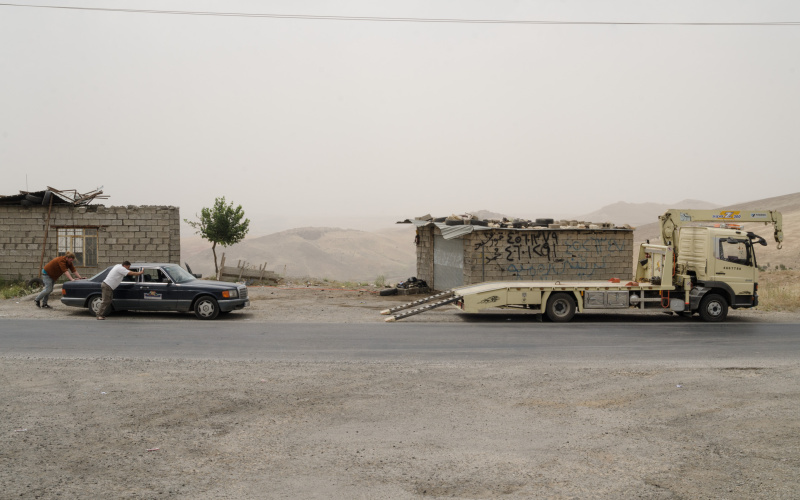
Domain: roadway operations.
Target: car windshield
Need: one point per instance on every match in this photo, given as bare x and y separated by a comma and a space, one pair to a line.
178, 274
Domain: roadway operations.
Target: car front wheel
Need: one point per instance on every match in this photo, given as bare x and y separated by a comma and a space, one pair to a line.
206, 308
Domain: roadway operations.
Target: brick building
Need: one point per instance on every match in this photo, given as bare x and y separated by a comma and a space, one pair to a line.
450, 256
98, 235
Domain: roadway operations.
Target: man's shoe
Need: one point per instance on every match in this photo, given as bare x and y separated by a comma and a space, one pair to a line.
37, 303
45, 306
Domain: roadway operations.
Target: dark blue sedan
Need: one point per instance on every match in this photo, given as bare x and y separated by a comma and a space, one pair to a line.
162, 287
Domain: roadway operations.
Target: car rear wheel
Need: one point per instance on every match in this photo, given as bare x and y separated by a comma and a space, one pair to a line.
206, 308
94, 304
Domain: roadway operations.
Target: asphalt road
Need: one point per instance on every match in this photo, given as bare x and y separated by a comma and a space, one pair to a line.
401, 342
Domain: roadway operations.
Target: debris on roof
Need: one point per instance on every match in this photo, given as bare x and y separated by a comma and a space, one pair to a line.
54, 196
505, 223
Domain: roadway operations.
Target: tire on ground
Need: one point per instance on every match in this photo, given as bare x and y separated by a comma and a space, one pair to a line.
388, 291
713, 307
561, 307
35, 283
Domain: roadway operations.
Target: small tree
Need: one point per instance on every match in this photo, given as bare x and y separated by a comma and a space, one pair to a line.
221, 224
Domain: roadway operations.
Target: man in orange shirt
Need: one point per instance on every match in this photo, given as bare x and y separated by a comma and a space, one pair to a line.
51, 272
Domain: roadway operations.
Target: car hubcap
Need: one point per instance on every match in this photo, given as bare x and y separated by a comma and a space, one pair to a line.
206, 308
714, 309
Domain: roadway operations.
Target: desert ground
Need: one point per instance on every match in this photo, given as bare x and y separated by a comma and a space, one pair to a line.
76, 427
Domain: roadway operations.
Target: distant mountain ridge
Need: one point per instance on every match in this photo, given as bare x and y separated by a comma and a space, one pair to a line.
321, 252
637, 214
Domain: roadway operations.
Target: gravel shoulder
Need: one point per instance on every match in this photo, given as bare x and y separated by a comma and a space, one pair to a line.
145, 428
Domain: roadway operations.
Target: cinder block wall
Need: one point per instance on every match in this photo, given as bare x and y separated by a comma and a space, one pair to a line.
425, 253
134, 233
539, 254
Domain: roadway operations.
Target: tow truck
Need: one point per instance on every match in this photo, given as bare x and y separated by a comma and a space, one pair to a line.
696, 269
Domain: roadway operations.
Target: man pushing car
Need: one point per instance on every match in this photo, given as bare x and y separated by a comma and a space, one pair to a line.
112, 281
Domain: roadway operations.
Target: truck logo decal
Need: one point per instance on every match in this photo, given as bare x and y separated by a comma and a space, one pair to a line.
152, 296
759, 216
727, 216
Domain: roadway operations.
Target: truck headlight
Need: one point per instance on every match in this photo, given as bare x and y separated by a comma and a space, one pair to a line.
230, 294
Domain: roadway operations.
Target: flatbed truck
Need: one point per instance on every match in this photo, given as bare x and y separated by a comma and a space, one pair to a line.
697, 269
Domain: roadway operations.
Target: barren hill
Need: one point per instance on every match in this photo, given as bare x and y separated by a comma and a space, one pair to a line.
637, 214
788, 205
322, 252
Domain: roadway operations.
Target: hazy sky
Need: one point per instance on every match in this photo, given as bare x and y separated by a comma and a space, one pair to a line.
306, 121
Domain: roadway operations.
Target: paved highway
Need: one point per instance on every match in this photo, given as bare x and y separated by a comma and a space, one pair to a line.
668, 341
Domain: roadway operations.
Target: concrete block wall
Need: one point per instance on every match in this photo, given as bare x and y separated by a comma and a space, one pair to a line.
537, 255
425, 253
134, 233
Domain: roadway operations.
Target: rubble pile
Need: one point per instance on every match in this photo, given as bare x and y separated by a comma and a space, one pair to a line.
515, 223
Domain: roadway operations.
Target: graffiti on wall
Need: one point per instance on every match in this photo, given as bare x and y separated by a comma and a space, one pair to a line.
531, 255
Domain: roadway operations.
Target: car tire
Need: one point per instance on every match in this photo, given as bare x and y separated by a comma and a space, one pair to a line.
206, 308
388, 291
560, 307
94, 304
46, 198
36, 200
713, 308
35, 283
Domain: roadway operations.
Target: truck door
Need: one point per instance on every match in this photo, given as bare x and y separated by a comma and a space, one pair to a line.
734, 264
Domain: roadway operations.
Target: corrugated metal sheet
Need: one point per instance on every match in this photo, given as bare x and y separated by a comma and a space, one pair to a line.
450, 232
448, 263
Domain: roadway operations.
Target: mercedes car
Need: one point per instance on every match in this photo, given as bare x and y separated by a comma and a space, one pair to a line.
162, 287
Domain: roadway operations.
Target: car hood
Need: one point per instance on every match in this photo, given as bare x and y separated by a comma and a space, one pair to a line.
216, 284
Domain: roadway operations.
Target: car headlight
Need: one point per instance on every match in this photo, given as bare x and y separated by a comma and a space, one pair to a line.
230, 294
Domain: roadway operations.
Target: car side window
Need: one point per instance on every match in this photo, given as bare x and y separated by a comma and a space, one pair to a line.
151, 276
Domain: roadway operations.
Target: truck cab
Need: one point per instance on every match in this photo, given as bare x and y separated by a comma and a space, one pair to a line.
720, 258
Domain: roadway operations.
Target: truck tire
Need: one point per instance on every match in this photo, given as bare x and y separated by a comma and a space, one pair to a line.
713, 307
560, 307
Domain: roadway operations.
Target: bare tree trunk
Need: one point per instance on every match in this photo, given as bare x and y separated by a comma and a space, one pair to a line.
216, 269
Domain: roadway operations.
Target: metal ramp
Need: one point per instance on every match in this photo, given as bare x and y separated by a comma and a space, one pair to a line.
434, 301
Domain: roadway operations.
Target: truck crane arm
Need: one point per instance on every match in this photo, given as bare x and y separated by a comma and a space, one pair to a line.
675, 218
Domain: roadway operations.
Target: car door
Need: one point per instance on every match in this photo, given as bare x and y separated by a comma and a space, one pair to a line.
126, 294
156, 290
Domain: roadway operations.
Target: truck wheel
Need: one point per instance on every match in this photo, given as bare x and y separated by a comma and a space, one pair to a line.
713, 308
560, 307
206, 308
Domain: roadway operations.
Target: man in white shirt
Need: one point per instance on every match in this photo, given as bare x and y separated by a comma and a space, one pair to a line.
112, 281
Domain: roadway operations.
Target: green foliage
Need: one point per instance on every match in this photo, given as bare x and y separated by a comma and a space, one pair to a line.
14, 289
380, 281
222, 224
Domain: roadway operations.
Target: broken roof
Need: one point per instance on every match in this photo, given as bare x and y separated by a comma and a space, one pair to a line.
56, 196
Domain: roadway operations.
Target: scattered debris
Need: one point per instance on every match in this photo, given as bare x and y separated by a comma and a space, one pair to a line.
20, 430
153, 449
515, 223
